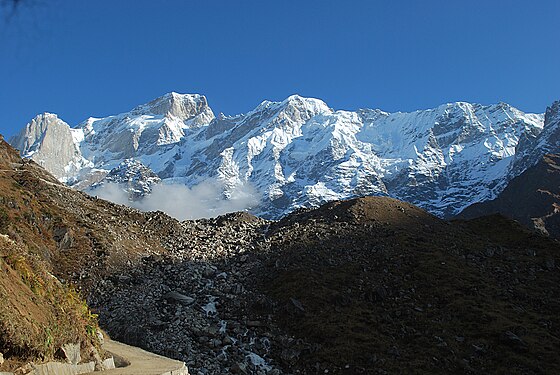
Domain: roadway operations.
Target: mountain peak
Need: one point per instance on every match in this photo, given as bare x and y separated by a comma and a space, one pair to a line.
182, 106
313, 104
552, 112
36, 129
50, 141
137, 179
44, 116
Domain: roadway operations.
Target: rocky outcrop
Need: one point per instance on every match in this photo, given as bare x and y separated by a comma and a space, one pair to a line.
50, 142
532, 198
132, 176
531, 150
192, 109
145, 132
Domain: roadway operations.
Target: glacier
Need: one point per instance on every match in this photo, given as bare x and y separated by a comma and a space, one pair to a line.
299, 152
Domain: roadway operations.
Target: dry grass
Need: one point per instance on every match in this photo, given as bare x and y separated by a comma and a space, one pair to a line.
387, 288
38, 314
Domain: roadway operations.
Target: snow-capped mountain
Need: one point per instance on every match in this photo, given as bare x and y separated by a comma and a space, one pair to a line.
137, 179
299, 152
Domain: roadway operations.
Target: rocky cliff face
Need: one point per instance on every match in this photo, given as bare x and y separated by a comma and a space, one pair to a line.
532, 149
148, 131
51, 143
301, 153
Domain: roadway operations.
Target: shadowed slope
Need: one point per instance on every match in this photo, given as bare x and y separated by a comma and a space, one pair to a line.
533, 198
375, 285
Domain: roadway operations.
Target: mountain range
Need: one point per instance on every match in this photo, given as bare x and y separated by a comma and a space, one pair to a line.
298, 152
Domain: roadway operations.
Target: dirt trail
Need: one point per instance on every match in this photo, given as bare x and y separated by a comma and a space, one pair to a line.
142, 362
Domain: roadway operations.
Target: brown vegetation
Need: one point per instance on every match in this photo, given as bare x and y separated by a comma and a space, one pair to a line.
375, 285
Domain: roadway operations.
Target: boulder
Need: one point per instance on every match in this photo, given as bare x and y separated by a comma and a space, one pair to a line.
71, 352
178, 297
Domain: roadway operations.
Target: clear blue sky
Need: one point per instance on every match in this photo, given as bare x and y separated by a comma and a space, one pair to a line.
82, 58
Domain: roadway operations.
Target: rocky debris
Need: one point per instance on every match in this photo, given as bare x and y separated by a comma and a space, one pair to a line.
512, 339
193, 305
1, 358
178, 297
71, 353
100, 337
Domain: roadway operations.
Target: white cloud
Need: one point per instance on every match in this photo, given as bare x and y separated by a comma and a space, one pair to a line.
201, 201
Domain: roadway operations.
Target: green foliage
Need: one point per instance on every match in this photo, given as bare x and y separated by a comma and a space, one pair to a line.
48, 339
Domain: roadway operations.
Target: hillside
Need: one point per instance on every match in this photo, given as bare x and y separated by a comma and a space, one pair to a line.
84, 236
38, 314
52, 240
532, 198
376, 285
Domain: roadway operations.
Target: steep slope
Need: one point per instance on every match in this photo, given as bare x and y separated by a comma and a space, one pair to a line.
531, 149
38, 314
301, 153
83, 236
532, 198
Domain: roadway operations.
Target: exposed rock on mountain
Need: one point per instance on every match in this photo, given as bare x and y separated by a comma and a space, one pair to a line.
133, 176
53, 145
532, 198
146, 133
531, 149
301, 153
